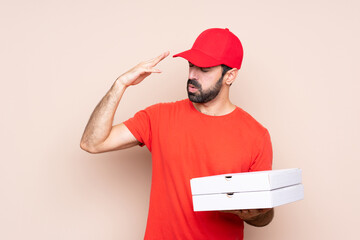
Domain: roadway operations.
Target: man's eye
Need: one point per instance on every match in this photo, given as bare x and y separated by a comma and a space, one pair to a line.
204, 69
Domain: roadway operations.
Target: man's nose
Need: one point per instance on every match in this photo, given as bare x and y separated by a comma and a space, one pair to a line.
193, 74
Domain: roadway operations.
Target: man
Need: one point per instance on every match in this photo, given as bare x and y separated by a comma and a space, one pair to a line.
200, 136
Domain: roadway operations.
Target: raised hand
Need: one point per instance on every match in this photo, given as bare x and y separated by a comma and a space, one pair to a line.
138, 73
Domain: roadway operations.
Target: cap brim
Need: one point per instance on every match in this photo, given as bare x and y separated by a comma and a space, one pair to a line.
198, 58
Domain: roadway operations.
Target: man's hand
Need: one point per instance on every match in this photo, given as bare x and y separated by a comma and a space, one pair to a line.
254, 217
141, 71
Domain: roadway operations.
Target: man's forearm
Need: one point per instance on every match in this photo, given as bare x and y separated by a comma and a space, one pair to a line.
99, 128
262, 219
100, 122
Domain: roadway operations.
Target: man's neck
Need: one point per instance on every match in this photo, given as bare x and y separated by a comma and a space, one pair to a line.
216, 107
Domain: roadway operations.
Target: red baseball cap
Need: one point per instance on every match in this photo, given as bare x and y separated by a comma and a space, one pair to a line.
213, 47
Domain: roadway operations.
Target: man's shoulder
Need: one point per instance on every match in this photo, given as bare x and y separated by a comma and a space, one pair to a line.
250, 122
169, 105
183, 102
163, 109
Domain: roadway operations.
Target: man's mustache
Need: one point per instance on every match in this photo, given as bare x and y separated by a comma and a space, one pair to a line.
194, 83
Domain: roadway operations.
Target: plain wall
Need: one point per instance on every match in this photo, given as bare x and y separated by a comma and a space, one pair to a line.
299, 78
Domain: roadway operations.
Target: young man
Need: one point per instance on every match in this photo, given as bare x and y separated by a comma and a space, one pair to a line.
203, 135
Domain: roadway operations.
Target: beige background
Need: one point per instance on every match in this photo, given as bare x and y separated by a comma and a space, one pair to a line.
299, 78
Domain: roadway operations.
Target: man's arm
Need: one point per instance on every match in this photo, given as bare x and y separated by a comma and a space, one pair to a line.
99, 134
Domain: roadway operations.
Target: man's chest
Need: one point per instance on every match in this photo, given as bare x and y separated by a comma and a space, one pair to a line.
204, 147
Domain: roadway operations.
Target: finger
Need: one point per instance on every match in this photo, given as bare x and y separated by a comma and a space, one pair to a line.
159, 58
254, 211
265, 210
152, 70
245, 211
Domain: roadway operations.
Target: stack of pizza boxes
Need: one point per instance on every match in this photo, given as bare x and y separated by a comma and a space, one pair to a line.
250, 190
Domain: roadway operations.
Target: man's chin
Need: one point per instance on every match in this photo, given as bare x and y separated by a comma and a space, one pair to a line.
193, 98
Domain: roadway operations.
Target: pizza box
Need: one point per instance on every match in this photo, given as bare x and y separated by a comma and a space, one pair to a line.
248, 200
247, 181
249, 190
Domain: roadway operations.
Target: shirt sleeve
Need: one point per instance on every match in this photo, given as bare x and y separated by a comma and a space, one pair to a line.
141, 126
264, 156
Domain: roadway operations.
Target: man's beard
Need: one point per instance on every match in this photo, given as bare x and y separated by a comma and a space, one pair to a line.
203, 96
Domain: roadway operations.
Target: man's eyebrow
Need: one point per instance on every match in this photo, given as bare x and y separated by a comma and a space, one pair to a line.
206, 68
202, 68
190, 63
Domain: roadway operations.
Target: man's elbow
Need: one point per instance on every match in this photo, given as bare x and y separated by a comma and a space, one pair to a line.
88, 148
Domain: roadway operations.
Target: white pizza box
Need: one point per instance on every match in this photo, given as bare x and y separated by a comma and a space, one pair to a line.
245, 182
248, 200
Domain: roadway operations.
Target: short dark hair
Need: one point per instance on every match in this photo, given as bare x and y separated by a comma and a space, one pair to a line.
225, 69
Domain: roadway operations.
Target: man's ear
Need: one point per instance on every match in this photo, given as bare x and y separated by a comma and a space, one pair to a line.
230, 76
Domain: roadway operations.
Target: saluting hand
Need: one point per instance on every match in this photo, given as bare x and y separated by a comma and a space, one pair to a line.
142, 70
